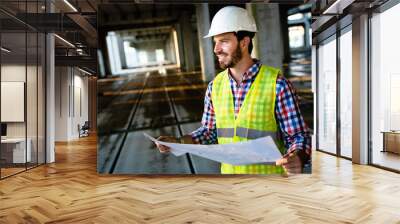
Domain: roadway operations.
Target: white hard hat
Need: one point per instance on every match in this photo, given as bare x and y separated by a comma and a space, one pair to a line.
231, 19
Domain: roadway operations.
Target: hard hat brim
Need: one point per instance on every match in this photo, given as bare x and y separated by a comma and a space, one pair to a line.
208, 35
215, 34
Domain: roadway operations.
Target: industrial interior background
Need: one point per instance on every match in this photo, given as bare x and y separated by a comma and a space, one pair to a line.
154, 67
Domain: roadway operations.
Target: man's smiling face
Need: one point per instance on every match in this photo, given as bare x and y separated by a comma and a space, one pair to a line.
227, 50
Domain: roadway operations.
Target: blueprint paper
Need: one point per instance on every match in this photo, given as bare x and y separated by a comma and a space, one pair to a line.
262, 150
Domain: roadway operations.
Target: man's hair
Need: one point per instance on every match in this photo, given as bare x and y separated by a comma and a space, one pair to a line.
240, 35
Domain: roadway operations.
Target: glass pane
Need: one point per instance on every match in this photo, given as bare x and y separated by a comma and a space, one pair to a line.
327, 97
346, 94
31, 97
385, 89
41, 98
13, 87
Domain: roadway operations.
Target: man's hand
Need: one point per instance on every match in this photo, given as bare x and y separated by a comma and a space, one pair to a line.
163, 148
291, 163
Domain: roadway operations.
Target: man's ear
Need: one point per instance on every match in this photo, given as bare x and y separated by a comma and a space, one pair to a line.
244, 43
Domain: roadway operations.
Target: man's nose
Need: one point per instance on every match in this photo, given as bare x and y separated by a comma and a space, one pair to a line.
217, 48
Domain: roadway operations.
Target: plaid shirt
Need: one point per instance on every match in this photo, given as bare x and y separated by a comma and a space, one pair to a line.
293, 129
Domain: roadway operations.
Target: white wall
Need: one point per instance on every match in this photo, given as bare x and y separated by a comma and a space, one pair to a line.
62, 77
71, 93
12, 73
79, 117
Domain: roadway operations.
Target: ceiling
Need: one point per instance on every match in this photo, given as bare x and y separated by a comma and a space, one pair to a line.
79, 21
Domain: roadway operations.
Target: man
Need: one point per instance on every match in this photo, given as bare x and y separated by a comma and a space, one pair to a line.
248, 100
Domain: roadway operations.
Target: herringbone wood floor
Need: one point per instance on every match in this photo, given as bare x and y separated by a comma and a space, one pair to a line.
70, 191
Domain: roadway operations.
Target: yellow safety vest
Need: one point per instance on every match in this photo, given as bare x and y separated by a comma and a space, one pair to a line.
256, 117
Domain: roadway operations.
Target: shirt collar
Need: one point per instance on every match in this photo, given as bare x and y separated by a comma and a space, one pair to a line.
251, 72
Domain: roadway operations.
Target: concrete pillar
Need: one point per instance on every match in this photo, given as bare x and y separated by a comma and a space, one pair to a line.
113, 53
121, 51
93, 103
50, 92
187, 37
101, 63
251, 10
360, 90
205, 44
178, 45
268, 39
283, 20
168, 49
307, 27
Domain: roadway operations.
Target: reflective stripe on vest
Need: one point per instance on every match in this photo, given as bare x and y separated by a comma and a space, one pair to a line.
226, 132
244, 133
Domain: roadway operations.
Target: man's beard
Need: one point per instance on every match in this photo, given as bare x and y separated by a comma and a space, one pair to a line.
236, 57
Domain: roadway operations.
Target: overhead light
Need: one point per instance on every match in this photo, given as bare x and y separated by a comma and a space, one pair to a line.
338, 6
5, 49
80, 51
84, 71
64, 40
70, 5
296, 16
